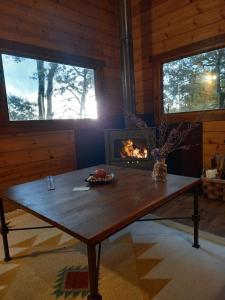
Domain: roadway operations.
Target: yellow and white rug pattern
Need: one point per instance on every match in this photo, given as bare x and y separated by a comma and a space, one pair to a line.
145, 261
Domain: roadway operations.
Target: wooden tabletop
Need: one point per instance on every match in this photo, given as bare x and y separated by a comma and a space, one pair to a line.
93, 215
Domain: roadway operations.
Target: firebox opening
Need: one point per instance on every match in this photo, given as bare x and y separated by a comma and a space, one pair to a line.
130, 148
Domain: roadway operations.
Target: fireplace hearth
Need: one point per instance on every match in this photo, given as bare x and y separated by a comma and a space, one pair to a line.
130, 147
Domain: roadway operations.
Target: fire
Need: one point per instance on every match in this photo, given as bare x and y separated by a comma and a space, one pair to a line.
129, 150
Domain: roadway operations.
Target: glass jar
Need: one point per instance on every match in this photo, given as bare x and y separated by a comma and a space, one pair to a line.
159, 172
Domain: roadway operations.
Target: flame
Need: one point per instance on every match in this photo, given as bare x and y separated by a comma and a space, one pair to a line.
130, 151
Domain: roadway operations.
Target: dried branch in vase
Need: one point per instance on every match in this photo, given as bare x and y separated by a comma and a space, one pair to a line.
142, 125
168, 140
172, 140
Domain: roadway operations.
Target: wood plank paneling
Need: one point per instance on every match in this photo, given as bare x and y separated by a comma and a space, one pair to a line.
141, 17
214, 137
167, 25
199, 13
58, 138
213, 140
86, 28
24, 157
217, 126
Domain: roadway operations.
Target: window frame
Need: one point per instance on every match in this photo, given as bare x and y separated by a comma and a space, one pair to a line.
176, 54
36, 52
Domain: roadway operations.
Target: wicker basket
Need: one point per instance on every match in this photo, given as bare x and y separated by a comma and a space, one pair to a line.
214, 188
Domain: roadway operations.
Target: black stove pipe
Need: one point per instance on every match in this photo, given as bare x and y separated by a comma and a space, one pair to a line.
127, 60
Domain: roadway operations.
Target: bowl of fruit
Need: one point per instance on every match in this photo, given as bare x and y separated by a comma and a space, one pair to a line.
100, 176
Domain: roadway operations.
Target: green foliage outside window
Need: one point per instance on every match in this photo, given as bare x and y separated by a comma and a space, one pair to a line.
195, 83
43, 90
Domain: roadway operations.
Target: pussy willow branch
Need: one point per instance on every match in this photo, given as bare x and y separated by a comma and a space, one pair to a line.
162, 131
177, 137
142, 125
138, 122
167, 143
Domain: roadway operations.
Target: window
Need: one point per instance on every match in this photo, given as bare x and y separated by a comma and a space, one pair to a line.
46, 90
195, 83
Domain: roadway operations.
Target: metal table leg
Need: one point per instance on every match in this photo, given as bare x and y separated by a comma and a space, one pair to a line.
4, 231
196, 218
93, 273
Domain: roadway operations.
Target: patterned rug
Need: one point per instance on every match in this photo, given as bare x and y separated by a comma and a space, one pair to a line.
145, 261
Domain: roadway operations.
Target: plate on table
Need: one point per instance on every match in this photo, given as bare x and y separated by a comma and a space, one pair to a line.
100, 180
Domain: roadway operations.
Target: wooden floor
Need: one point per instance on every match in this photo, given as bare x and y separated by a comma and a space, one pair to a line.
212, 212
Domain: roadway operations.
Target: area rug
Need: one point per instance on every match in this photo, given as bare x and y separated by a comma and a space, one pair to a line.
147, 260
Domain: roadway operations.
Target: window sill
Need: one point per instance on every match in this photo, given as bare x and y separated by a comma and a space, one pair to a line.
45, 125
196, 116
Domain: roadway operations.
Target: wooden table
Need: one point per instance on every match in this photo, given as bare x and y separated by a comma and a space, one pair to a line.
94, 215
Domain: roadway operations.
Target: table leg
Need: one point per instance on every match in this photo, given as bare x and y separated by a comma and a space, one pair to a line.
93, 274
4, 232
196, 218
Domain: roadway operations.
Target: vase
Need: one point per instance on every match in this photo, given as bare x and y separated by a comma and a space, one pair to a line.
159, 172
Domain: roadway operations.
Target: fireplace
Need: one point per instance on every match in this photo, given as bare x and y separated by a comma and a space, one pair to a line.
130, 147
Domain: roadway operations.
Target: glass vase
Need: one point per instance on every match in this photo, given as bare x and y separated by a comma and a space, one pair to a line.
159, 172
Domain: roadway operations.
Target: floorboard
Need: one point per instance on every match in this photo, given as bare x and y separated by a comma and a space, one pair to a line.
212, 212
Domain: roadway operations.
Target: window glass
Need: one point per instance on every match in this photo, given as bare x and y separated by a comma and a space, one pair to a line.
42, 90
195, 83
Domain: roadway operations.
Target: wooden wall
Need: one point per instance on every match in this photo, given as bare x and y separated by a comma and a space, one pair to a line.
179, 23
90, 28
213, 140
87, 28
25, 157
142, 36
166, 25
163, 25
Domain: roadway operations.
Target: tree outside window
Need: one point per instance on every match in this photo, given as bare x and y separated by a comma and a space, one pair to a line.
195, 83
42, 90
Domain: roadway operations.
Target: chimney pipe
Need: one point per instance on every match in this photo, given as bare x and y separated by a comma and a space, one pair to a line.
127, 62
